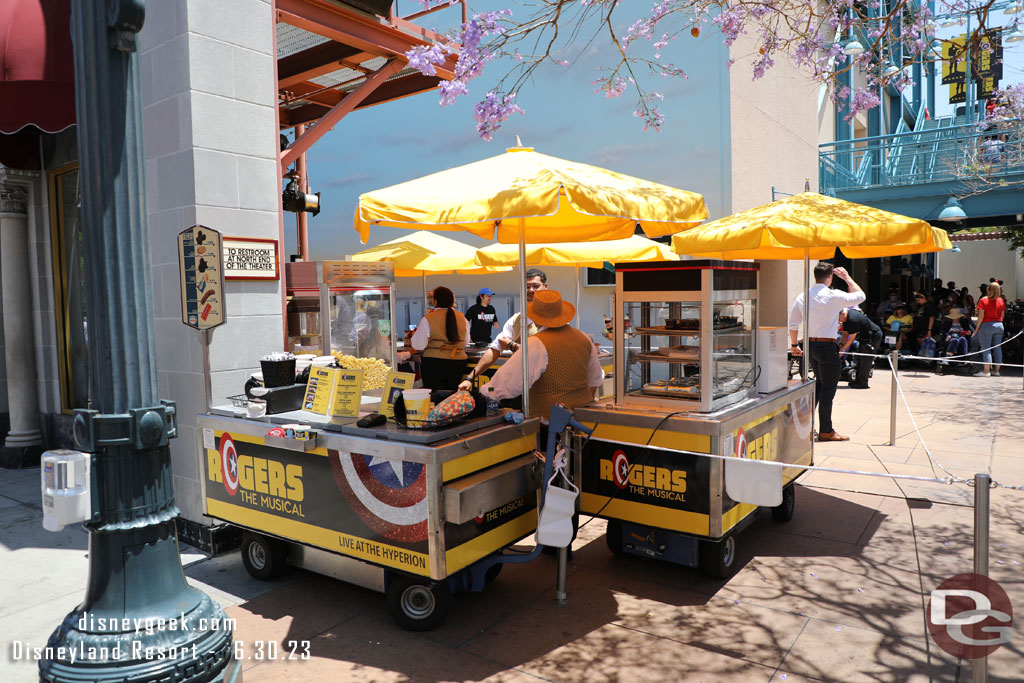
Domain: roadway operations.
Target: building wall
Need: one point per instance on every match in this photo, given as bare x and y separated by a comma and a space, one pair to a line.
980, 260
777, 122
209, 97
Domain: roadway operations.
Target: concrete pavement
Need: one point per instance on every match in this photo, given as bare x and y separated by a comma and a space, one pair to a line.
837, 594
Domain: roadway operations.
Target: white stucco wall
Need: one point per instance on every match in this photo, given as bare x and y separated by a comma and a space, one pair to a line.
776, 127
209, 94
980, 260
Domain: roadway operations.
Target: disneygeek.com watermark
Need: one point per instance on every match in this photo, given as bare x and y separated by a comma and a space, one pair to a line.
134, 650
970, 616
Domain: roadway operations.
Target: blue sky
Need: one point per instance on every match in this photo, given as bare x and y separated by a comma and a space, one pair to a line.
399, 141
402, 140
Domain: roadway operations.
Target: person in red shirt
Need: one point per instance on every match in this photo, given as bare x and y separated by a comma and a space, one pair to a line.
990, 329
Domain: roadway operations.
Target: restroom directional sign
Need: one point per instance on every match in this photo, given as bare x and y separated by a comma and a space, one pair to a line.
201, 267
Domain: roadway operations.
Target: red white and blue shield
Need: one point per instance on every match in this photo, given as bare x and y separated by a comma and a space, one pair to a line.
229, 464
389, 496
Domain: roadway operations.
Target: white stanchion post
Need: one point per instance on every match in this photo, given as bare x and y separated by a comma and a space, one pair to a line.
979, 666
894, 362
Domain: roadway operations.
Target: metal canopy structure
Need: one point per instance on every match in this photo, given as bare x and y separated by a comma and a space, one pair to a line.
333, 58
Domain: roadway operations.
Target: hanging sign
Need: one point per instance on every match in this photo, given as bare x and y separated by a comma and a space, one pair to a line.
247, 258
200, 266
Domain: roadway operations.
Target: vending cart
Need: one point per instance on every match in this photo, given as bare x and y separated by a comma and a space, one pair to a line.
686, 383
405, 512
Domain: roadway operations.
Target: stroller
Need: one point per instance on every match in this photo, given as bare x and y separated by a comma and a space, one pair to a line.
957, 343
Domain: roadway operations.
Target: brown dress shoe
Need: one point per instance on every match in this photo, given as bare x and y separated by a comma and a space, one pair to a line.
832, 436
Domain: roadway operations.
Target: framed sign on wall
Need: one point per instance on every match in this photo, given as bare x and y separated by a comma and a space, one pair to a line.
250, 258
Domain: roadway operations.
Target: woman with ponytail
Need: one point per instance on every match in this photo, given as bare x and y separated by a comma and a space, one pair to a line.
442, 336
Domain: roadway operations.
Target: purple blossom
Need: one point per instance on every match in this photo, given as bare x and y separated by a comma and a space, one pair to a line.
492, 111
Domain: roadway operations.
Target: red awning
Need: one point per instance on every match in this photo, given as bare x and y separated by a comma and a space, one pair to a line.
37, 71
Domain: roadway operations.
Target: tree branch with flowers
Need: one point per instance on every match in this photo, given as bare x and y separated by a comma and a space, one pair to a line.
810, 33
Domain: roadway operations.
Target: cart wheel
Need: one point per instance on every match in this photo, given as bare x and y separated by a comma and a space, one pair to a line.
784, 511
492, 572
417, 604
264, 558
613, 537
718, 558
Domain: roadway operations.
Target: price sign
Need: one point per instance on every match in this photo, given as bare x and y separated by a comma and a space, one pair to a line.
200, 264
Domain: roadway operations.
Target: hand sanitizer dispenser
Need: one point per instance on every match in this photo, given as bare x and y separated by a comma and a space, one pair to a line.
65, 483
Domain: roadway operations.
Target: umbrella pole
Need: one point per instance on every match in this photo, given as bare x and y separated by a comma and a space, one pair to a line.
426, 308
577, 296
807, 311
524, 333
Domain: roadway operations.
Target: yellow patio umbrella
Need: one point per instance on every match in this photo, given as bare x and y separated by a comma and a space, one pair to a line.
527, 197
577, 254
545, 198
426, 253
587, 254
811, 225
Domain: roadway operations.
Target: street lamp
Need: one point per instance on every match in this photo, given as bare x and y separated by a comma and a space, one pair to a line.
853, 48
952, 212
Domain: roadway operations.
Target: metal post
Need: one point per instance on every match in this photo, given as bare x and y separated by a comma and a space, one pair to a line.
979, 666
560, 592
894, 360
524, 330
134, 569
302, 218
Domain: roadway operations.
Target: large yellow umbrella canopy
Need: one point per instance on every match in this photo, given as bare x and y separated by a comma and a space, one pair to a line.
813, 225
425, 253
550, 199
583, 254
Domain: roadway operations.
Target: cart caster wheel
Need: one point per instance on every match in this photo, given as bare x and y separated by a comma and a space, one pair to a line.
492, 572
784, 512
417, 604
613, 537
264, 558
718, 558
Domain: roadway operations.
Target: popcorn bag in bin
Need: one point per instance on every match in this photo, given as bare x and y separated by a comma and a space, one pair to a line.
456, 406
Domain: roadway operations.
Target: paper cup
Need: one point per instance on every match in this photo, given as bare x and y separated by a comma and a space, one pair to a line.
417, 406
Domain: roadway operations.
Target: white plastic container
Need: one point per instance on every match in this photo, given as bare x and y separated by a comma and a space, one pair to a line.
65, 488
772, 359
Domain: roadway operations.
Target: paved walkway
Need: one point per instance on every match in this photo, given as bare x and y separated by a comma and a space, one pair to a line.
837, 594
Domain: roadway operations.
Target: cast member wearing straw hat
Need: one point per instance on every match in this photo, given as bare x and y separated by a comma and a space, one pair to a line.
563, 361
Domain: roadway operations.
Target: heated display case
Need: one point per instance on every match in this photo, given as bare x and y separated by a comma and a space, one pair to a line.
351, 303
685, 334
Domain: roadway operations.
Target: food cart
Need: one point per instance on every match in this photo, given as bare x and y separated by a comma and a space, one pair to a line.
410, 512
687, 374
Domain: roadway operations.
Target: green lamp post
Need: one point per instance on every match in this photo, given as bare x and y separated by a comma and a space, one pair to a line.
140, 620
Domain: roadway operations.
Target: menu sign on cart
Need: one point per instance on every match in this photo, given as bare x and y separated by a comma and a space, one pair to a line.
334, 392
396, 382
200, 263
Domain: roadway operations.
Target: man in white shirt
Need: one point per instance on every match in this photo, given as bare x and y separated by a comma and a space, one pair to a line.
823, 329
509, 337
563, 361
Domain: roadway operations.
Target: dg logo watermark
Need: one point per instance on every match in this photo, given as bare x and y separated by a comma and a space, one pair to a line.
970, 616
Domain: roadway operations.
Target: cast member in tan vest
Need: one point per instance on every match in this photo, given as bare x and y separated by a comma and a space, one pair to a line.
442, 336
563, 361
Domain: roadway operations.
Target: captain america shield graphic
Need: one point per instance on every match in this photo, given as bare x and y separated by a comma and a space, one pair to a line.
389, 496
229, 464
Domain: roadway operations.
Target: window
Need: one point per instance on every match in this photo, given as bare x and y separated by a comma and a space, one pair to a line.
69, 288
600, 277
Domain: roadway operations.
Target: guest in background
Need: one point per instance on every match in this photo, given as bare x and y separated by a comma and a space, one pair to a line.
482, 317
990, 329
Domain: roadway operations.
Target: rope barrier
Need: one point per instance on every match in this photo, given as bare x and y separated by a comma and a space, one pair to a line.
937, 358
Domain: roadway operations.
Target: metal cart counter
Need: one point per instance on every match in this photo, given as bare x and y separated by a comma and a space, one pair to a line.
673, 505
371, 505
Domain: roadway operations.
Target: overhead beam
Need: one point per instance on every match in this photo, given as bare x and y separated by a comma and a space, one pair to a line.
390, 91
357, 30
315, 61
347, 104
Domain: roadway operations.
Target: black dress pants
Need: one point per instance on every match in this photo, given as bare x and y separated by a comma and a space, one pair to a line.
824, 359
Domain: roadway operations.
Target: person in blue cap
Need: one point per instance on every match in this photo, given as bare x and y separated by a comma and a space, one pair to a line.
482, 317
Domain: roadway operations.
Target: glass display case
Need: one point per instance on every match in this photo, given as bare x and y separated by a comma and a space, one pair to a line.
685, 331
357, 303
303, 308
